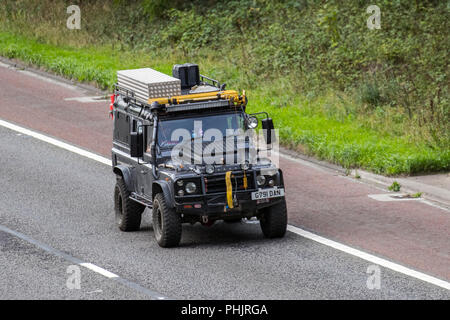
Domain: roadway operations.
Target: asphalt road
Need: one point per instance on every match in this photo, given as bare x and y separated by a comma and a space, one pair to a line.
56, 211
64, 200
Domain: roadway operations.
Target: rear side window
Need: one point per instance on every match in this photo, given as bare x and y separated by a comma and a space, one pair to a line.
122, 127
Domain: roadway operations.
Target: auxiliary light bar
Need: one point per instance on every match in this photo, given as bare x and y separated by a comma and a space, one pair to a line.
198, 105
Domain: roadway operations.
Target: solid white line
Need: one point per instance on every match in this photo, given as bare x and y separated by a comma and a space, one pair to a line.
56, 143
371, 258
99, 270
306, 234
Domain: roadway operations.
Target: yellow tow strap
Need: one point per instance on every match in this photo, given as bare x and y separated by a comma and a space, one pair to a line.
245, 181
229, 189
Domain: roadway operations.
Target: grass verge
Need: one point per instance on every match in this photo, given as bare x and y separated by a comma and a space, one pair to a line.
320, 126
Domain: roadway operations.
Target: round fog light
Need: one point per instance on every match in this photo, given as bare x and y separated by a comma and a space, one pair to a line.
271, 182
191, 187
260, 180
180, 193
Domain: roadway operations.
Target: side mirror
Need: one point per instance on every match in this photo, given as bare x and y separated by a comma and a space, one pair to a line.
267, 126
137, 144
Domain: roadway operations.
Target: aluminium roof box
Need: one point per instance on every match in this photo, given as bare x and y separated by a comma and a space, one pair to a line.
147, 83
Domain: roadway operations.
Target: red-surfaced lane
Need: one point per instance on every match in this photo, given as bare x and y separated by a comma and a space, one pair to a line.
407, 232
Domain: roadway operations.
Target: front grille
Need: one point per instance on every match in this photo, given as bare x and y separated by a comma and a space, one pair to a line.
216, 183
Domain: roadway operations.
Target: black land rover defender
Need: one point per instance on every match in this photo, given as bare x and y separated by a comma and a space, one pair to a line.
152, 173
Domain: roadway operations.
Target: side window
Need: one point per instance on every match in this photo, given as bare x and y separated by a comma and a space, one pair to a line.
121, 130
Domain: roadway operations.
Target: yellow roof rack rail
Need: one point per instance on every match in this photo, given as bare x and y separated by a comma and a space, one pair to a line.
231, 95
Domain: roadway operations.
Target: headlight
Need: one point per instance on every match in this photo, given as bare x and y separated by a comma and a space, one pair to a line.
180, 183
245, 165
209, 168
260, 180
191, 187
180, 193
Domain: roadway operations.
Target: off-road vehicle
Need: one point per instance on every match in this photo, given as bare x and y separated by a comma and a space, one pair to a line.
152, 173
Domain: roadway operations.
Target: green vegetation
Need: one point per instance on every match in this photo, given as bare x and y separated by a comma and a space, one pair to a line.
416, 195
395, 186
373, 99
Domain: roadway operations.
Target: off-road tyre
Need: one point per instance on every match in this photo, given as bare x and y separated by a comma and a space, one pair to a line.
166, 223
273, 220
128, 213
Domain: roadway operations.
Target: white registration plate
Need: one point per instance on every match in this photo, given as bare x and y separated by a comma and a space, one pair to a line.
267, 193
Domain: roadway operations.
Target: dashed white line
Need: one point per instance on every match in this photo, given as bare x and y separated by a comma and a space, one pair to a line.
306, 234
99, 270
152, 294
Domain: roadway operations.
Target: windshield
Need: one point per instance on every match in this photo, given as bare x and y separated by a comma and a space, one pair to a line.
196, 127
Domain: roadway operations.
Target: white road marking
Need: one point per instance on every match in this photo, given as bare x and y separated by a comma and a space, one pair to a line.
95, 291
371, 258
99, 270
56, 142
434, 205
306, 234
90, 266
88, 99
392, 197
366, 176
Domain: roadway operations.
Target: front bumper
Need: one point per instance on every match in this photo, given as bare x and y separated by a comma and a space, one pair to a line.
211, 200
215, 205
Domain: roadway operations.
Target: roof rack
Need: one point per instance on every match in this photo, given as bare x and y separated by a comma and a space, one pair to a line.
129, 94
186, 101
215, 83
231, 95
